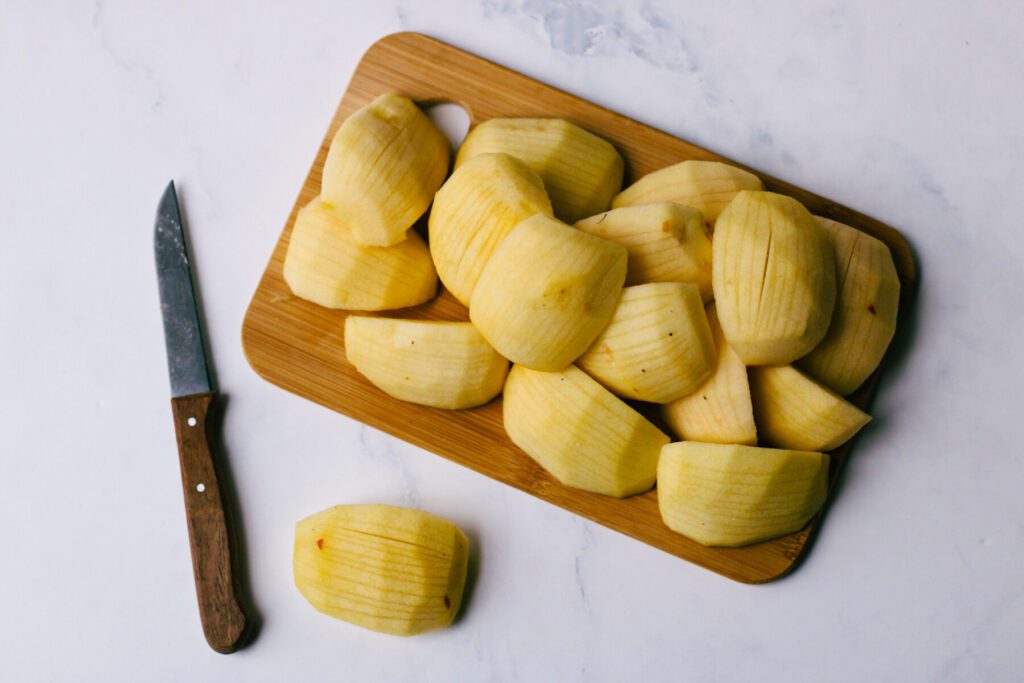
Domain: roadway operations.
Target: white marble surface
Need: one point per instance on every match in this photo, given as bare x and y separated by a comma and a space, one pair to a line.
909, 112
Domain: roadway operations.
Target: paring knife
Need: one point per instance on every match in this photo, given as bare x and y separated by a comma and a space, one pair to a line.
225, 620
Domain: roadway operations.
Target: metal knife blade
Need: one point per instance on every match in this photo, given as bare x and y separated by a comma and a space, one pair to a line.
186, 359
217, 571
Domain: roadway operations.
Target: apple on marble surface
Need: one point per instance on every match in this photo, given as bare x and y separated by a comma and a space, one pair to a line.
389, 569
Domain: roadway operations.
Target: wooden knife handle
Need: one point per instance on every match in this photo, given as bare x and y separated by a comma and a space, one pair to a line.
214, 560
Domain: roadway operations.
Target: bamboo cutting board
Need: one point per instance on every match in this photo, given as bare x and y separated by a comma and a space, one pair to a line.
299, 346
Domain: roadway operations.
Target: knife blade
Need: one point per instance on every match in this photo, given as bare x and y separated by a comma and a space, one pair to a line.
215, 565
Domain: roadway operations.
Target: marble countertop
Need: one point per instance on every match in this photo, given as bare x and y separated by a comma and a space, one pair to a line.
908, 112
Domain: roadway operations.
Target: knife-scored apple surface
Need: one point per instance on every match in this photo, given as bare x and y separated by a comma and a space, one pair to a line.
773, 275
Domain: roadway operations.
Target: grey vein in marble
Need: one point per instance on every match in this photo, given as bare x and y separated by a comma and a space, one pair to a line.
125, 65
587, 540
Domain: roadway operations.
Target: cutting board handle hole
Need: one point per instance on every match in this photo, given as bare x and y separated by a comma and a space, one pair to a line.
191, 422
451, 118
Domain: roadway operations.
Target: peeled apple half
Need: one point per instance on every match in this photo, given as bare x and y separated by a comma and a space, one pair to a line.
864, 320
657, 347
382, 169
547, 292
732, 495
707, 186
773, 275
382, 567
325, 265
580, 170
666, 242
720, 410
440, 364
794, 411
580, 432
475, 210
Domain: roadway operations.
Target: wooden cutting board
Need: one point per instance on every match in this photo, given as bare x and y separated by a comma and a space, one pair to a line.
300, 346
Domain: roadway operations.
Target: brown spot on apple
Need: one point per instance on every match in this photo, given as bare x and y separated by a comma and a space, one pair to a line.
557, 289
320, 543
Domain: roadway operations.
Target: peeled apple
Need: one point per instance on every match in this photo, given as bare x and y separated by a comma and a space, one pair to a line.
324, 264
547, 292
580, 170
386, 568
440, 364
382, 169
658, 345
475, 210
864, 320
732, 495
794, 411
666, 242
580, 432
718, 411
773, 276
707, 186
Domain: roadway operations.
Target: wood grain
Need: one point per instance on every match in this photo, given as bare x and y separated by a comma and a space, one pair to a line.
215, 563
300, 347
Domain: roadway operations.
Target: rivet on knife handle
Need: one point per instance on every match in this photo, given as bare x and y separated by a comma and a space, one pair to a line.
214, 562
